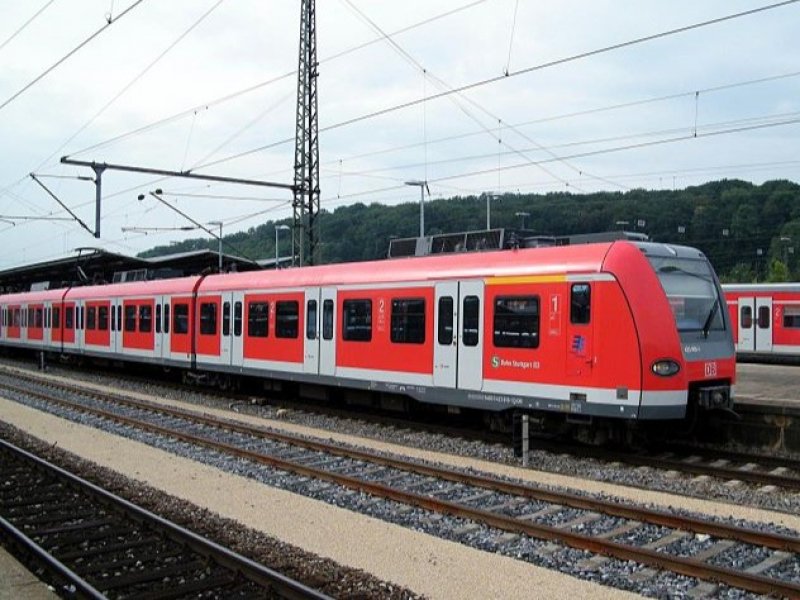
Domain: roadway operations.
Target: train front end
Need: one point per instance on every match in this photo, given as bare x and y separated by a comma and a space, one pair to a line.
707, 359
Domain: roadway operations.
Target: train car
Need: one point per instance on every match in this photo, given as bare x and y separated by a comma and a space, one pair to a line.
143, 321
26, 320
613, 333
766, 320
631, 331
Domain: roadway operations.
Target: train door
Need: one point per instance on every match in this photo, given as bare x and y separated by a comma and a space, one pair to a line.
115, 323
445, 348
579, 328
80, 313
763, 324
158, 338
470, 342
312, 332
237, 335
226, 322
747, 337
327, 338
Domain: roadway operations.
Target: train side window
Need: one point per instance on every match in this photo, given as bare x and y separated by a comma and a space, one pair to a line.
357, 320
516, 322
82, 317
208, 318
408, 321
226, 318
237, 319
158, 318
69, 316
145, 318
39, 318
763, 317
311, 320
56, 317
130, 318
119, 318
180, 319
580, 312
746, 317
258, 319
166, 317
287, 318
471, 318
327, 320
47, 317
791, 317
445, 326
29, 318
102, 318
91, 318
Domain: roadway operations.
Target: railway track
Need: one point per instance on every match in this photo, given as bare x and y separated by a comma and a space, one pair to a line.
93, 544
661, 540
752, 468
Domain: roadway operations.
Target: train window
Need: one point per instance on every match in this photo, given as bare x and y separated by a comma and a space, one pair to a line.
119, 318
287, 318
69, 316
29, 319
327, 320
791, 317
580, 311
39, 318
102, 318
258, 319
180, 319
311, 320
746, 317
47, 317
237, 319
145, 318
82, 317
763, 317
56, 317
516, 322
158, 318
445, 329
130, 318
471, 318
408, 321
357, 320
208, 318
226, 318
91, 318
166, 317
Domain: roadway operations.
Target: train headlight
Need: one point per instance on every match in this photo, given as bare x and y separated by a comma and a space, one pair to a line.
665, 368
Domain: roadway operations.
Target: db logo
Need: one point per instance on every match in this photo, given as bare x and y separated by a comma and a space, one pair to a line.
711, 369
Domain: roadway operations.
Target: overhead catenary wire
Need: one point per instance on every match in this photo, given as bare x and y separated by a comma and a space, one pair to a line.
26, 23
516, 73
64, 58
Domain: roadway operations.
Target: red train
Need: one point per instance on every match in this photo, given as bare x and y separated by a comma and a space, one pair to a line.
613, 333
766, 320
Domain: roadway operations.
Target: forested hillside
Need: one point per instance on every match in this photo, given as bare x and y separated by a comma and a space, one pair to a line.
750, 232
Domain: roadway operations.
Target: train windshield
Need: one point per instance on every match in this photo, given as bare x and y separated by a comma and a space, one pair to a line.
692, 293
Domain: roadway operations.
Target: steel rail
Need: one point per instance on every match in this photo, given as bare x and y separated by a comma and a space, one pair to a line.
265, 577
615, 509
685, 566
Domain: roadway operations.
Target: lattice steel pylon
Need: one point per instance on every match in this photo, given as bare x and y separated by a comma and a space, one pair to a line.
306, 145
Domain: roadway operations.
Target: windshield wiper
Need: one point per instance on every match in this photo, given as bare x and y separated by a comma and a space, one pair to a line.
711, 313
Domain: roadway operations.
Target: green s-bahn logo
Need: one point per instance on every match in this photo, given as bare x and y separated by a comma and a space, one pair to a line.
495, 362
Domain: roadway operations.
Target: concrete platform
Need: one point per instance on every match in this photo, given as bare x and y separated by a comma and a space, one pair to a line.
17, 583
768, 402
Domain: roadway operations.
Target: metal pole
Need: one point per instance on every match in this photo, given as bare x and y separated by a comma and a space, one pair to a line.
220, 247
488, 217
421, 211
525, 440
98, 183
276, 247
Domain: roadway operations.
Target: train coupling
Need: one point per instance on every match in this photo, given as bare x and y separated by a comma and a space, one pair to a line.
715, 398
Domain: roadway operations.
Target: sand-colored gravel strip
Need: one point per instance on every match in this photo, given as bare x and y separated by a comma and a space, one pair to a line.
657, 498
428, 565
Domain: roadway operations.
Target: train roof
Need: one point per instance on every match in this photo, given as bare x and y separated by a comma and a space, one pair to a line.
34, 297
179, 285
558, 260
761, 287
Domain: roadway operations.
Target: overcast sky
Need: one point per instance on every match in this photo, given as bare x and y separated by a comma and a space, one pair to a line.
147, 70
